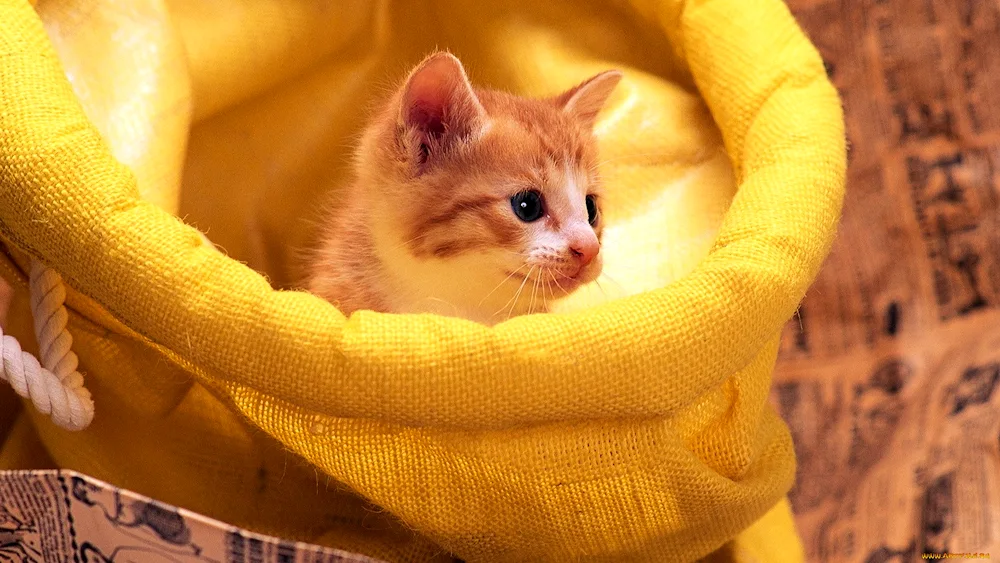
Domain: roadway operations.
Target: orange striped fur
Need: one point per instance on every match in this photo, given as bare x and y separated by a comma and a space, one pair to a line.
429, 224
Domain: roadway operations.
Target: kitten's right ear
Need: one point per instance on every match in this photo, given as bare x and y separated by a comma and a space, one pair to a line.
438, 100
586, 100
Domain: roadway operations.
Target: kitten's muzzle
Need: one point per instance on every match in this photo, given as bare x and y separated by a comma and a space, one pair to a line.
583, 249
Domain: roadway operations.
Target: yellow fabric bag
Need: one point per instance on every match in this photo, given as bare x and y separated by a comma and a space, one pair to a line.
631, 425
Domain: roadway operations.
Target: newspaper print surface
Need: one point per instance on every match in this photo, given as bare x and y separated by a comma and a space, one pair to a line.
889, 373
63, 516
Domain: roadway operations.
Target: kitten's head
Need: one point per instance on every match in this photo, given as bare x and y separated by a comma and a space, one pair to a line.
491, 201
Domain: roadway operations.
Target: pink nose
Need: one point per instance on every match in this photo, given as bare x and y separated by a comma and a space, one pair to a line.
584, 248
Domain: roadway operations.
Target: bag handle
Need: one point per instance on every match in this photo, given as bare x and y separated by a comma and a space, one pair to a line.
54, 386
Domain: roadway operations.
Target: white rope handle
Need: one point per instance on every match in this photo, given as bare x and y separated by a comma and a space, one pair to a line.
57, 388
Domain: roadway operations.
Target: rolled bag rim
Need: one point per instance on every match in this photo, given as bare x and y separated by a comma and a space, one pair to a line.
463, 365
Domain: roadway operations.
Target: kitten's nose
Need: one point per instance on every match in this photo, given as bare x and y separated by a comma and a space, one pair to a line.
584, 247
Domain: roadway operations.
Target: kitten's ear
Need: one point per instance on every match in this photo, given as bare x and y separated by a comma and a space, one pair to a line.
438, 99
585, 100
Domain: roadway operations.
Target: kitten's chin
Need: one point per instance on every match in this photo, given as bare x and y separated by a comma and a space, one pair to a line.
589, 273
565, 285
534, 294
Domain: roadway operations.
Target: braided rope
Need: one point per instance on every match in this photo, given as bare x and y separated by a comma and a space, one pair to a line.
57, 388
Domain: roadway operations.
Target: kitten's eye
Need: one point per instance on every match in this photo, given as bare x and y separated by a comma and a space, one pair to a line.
527, 206
592, 210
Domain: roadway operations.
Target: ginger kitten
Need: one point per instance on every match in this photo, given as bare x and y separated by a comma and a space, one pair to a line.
467, 202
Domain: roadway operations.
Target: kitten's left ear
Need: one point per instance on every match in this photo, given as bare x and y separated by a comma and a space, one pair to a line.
586, 100
438, 99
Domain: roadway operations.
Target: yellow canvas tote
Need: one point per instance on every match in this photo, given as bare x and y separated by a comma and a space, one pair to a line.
631, 425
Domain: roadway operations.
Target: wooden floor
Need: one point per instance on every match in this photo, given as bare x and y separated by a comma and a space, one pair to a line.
888, 376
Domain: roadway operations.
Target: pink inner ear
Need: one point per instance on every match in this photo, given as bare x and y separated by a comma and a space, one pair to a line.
427, 107
438, 98
431, 92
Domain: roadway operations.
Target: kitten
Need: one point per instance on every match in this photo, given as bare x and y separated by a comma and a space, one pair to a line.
467, 202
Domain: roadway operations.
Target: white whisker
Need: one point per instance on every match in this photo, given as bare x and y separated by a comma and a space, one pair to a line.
513, 301
621, 288
534, 288
510, 275
545, 301
563, 289
517, 295
599, 286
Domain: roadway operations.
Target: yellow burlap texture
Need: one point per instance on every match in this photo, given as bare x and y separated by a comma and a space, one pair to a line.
619, 429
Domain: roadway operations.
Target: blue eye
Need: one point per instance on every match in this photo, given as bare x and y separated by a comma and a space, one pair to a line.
592, 210
527, 206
